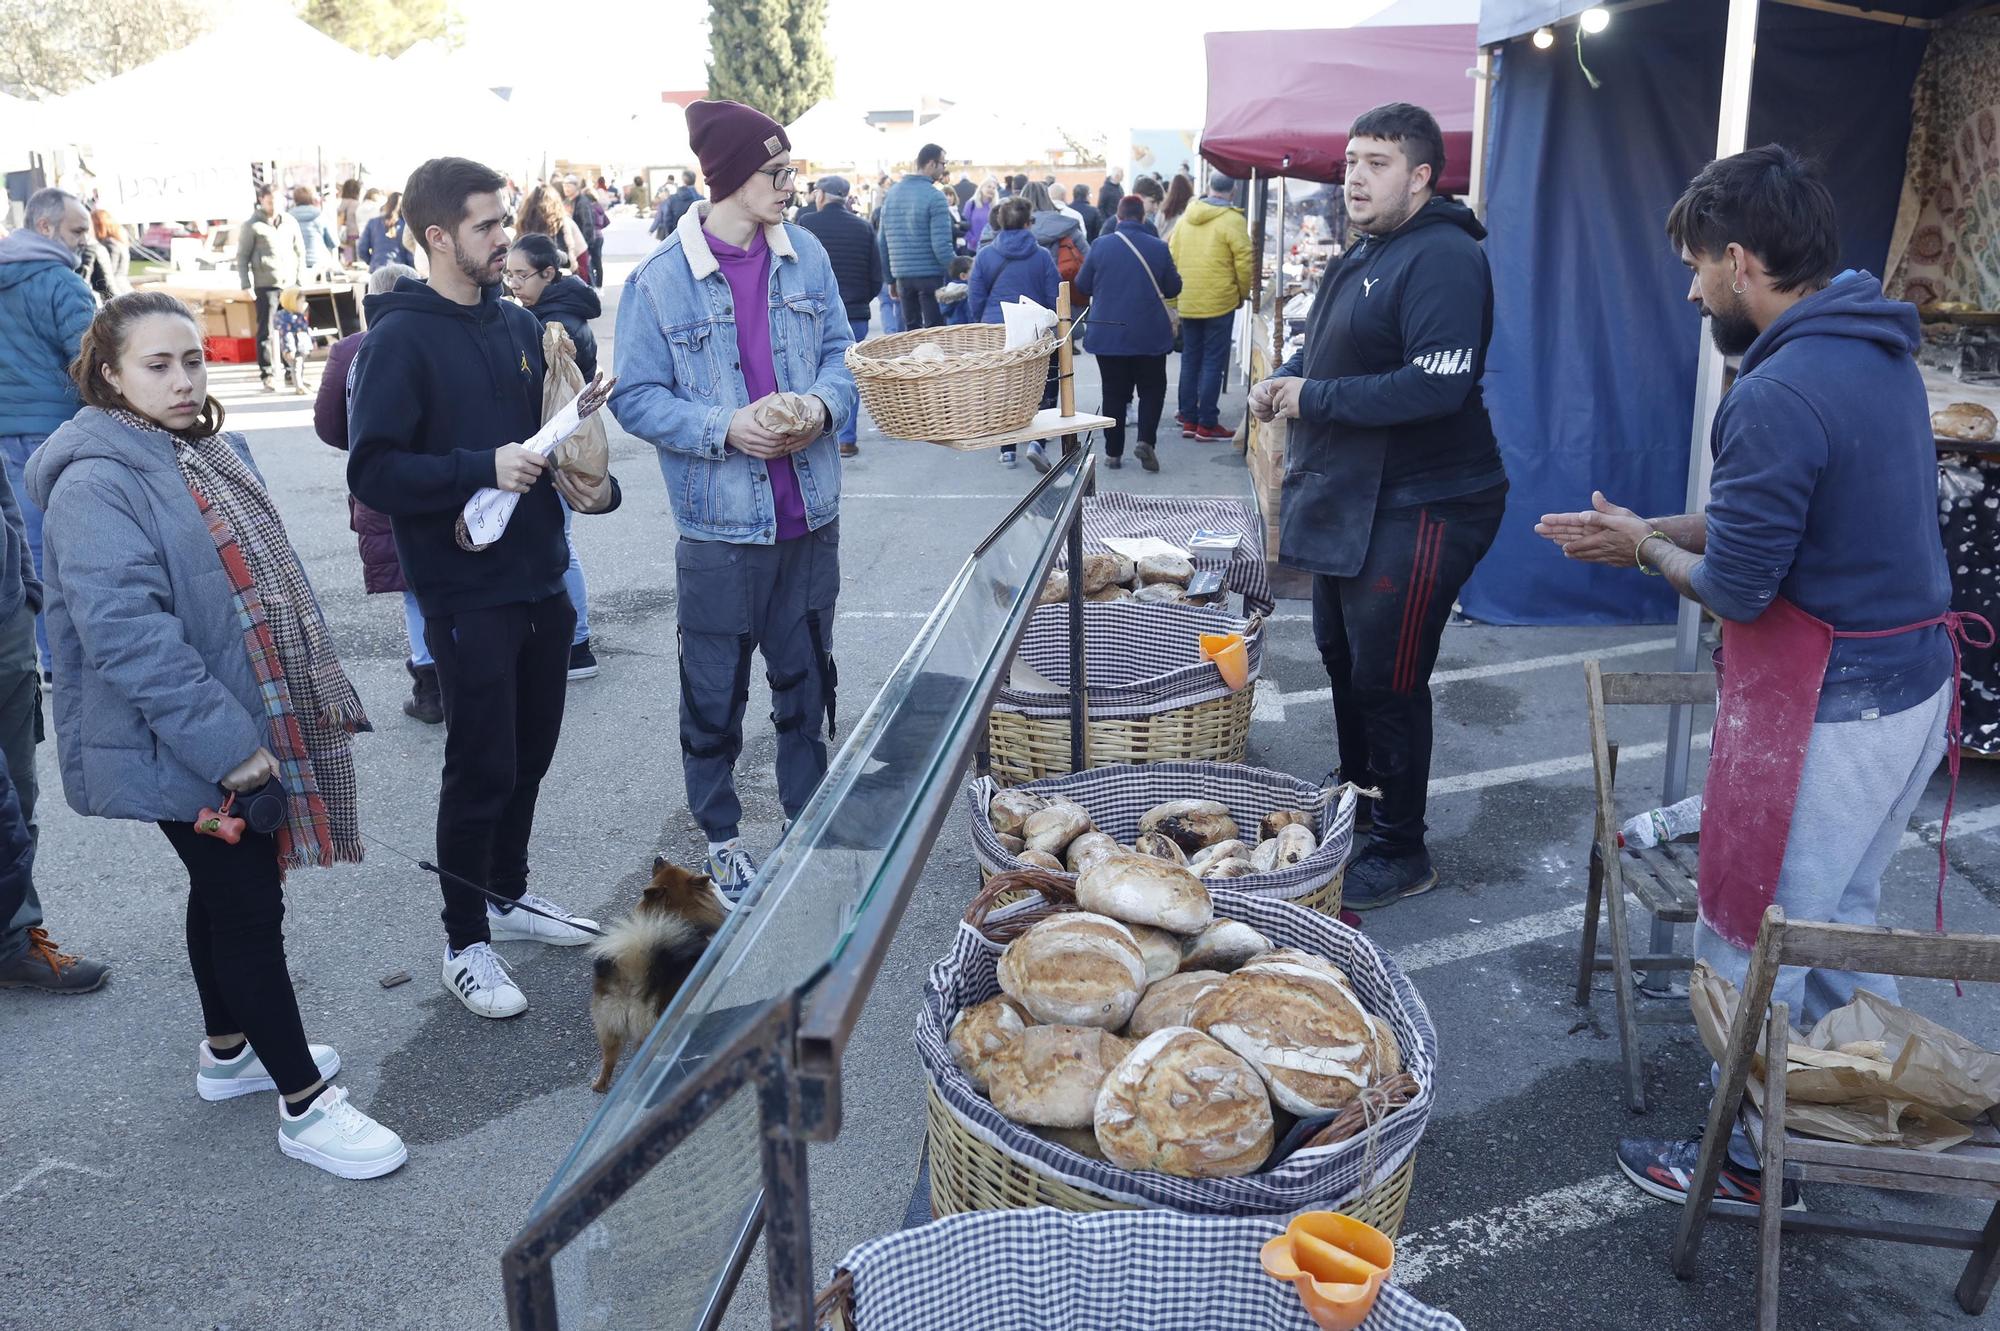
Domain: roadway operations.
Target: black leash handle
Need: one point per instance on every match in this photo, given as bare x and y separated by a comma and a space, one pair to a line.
498, 900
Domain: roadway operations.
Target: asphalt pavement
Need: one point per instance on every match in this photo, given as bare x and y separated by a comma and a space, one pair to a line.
126, 1202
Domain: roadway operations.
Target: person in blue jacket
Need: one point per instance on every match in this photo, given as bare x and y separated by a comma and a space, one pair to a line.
1128, 277
1011, 267
384, 240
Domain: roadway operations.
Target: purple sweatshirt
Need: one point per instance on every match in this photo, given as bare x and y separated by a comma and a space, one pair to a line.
749, 275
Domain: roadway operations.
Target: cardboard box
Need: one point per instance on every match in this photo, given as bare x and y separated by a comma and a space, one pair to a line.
1267, 479
242, 318
214, 319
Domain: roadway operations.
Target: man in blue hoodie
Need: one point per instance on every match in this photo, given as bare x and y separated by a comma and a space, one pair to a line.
44, 309
1821, 523
1393, 487
447, 387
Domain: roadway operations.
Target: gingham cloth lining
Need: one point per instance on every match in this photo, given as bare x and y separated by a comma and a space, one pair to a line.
1046, 1269
1139, 659
1117, 797
1176, 518
1318, 1178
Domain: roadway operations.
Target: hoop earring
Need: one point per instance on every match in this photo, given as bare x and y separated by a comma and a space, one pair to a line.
1738, 288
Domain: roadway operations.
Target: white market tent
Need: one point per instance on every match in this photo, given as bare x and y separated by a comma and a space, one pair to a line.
983, 137
24, 128
837, 133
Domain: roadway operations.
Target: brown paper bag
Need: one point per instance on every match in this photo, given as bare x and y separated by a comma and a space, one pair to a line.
582, 461
1871, 1073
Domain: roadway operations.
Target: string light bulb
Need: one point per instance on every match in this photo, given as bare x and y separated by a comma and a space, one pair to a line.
1544, 39
1594, 20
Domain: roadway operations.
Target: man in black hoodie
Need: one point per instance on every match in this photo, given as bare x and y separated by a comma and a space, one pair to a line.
1393, 486
446, 387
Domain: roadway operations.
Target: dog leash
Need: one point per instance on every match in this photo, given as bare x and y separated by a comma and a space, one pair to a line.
455, 880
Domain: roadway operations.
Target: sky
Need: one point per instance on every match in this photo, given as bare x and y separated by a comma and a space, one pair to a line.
1101, 66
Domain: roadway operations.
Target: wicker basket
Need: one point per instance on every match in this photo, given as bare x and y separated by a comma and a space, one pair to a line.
1152, 698
980, 1160
981, 389
1116, 797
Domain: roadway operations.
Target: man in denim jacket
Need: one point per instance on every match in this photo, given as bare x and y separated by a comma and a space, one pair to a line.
735, 308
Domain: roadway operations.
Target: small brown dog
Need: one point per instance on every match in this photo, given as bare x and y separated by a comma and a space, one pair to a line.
642, 961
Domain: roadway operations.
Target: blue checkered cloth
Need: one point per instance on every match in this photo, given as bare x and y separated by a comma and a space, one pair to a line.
1050, 1270
1319, 1178
1139, 659
1175, 519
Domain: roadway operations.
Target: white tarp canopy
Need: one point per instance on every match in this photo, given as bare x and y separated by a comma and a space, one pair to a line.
836, 133
24, 128
984, 138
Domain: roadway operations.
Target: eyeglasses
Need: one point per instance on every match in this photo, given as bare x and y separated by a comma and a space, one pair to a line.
782, 177
519, 279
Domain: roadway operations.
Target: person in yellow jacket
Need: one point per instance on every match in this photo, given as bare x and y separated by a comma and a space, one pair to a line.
1211, 248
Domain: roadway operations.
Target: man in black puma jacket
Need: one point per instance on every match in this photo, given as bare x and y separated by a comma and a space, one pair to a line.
1393, 486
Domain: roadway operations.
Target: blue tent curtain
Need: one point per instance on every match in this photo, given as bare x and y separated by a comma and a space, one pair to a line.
1591, 374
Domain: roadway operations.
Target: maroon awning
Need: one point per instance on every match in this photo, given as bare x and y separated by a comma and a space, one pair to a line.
1279, 103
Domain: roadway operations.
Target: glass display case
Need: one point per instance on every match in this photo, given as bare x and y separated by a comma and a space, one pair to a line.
700, 1144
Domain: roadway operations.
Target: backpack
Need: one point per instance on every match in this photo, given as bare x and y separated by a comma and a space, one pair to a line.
1069, 262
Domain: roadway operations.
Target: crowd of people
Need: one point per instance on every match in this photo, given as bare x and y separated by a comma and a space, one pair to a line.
124, 497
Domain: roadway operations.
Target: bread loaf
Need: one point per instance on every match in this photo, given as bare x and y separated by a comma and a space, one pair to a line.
1010, 810
1182, 1104
1049, 1075
1159, 593
1088, 849
1041, 859
1282, 818
1165, 568
1967, 422
1160, 949
1294, 843
1055, 589
1192, 824
1233, 867
1101, 570
1142, 890
1075, 969
1054, 826
1114, 592
1223, 946
1216, 853
1171, 1002
1013, 845
981, 1031
1160, 847
1302, 1029
1265, 858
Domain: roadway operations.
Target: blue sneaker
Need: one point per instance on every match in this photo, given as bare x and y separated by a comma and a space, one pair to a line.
731, 869
1374, 880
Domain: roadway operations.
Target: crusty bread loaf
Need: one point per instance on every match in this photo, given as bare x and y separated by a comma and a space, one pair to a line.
1192, 824
1161, 950
1142, 890
981, 1031
1282, 818
1041, 859
1075, 969
1182, 1104
1160, 847
1224, 946
1231, 866
1170, 1002
1967, 422
1010, 810
1049, 1075
1054, 826
1215, 854
1301, 1027
1088, 849
1165, 568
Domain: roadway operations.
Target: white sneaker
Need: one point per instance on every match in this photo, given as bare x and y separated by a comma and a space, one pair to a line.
225, 1079
523, 926
335, 1136
478, 979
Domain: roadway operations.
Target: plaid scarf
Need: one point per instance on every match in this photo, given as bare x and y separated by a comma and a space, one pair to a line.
311, 710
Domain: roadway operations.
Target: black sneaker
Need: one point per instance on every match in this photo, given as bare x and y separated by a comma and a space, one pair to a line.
1375, 880
1664, 1167
1113, 462
1147, 457
582, 661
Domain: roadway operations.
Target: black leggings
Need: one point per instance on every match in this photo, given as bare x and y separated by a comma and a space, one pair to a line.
1378, 633
236, 947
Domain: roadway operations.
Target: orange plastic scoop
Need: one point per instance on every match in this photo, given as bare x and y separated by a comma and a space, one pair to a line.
1335, 1262
1231, 657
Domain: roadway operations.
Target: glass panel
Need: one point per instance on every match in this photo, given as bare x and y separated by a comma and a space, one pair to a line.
646, 1262
800, 912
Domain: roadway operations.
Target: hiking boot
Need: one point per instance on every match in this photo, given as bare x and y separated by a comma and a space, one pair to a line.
1664, 1167
48, 968
1147, 457
1375, 880
582, 661
426, 700
331, 1134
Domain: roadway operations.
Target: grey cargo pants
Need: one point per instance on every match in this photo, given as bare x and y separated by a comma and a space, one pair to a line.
734, 600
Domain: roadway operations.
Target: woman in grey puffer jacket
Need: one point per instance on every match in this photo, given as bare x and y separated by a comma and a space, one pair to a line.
193, 661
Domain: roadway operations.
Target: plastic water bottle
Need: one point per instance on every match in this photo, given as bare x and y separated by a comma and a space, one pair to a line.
1668, 824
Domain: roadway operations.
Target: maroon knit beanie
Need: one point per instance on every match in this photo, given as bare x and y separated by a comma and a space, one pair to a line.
732, 141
